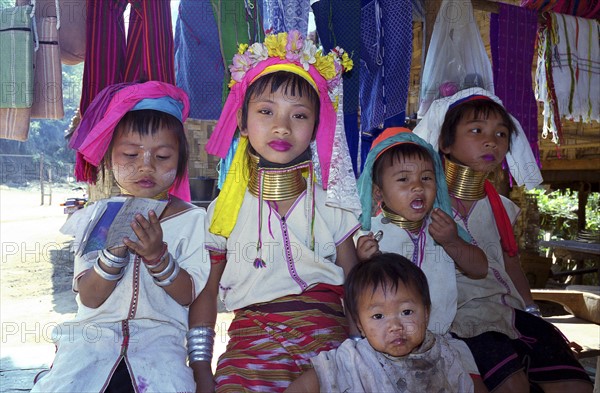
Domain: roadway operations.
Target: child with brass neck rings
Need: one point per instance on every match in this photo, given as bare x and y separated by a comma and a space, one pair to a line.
512, 348
405, 177
279, 253
134, 297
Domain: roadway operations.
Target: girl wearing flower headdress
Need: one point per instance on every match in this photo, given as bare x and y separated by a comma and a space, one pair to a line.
132, 298
512, 345
279, 252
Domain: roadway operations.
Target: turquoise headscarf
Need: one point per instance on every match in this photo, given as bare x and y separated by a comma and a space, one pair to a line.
388, 138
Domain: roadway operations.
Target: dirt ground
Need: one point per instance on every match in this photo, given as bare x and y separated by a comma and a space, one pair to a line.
35, 282
36, 270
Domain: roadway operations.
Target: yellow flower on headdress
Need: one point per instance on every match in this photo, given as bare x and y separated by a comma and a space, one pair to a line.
325, 65
242, 48
275, 43
347, 62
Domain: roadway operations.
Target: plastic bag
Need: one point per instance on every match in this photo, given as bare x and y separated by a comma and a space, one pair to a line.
456, 58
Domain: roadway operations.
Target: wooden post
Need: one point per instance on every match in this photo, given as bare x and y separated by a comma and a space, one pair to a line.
582, 199
42, 177
50, 186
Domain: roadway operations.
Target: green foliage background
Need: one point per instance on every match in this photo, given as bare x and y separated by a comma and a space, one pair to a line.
558, 212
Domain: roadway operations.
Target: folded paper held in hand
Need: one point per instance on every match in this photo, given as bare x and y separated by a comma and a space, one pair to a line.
109, 224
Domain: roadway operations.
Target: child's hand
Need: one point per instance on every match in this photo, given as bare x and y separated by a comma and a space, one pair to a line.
366, 247
150, 236
442, 228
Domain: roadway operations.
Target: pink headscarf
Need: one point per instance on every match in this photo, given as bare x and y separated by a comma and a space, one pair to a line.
221, 138
92, 140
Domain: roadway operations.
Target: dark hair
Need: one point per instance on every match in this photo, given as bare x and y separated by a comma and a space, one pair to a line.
384, 270
149, 122
477, 108
398, 153
293, 85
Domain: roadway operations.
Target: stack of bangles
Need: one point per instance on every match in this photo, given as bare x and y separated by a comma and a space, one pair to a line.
200, 342
171, 270
110, 260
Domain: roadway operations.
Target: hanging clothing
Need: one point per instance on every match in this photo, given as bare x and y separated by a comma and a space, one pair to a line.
237, 21
16, 72
146, 53
285, 15
584, 9
568, 71
338, 24
513, 32
199, 66
385, 55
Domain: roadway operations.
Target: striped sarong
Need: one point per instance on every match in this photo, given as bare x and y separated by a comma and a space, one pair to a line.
109, 58
271, 344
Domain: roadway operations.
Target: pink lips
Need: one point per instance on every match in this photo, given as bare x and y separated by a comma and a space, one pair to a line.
280, 145
146, 183
488, 157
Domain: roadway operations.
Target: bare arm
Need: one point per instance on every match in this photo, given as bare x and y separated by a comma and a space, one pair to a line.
513, 268
346, 259
308, 382
470, 259
203, 312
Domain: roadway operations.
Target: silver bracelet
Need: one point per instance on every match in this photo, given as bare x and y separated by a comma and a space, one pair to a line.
200, 343
168, 269
111, 260
533, 309
107, 276
169, 280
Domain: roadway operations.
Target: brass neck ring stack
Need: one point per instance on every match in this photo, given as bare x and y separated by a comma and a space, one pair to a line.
396, 219
463, 182
278, 184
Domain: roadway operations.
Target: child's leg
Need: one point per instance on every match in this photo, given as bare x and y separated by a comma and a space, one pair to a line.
498, 363
551, 363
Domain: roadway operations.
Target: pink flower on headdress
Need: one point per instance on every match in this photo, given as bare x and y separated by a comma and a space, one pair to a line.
241, 64
335, 81
295, 41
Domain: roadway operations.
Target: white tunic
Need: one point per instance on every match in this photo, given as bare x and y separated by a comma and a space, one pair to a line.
356, 367
487, 304
291, 265
90, 347
438, 267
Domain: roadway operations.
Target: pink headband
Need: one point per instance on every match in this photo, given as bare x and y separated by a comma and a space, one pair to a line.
222, 136
92, 142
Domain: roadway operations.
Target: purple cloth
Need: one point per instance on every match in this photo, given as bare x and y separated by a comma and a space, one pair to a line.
512, 37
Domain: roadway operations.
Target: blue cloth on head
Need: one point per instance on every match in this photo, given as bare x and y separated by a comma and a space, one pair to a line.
365, 181
163, 104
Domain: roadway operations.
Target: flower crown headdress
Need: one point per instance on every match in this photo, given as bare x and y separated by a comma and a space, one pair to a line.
288, 52
295, 48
